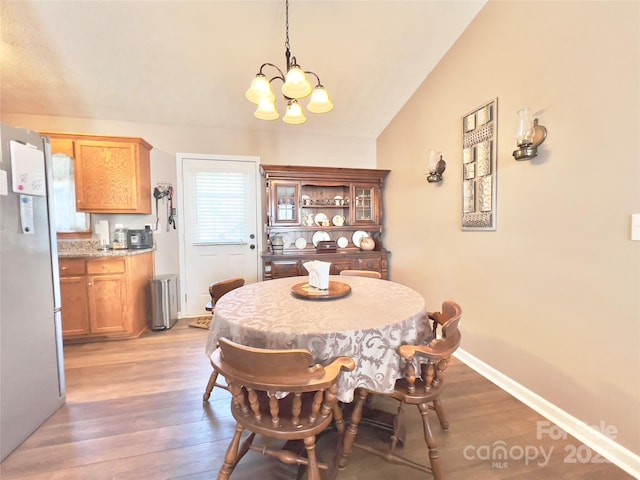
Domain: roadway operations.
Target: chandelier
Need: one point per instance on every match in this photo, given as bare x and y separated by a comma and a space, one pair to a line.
295, 86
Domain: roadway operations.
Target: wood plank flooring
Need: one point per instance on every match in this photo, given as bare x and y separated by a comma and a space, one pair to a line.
134, 411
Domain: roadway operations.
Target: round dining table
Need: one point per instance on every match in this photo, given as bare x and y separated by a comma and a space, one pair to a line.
368, 324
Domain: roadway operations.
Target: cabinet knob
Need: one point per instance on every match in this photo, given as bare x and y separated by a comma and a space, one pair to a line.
89, 284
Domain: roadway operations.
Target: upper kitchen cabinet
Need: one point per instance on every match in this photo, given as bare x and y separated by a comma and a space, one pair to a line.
111, 174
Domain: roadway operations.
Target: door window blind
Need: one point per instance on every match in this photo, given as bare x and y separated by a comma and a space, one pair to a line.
219, 199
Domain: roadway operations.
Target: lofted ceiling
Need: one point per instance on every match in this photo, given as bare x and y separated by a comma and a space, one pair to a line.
190, 62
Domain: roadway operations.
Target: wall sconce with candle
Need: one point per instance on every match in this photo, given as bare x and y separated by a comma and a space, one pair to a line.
530, 135
436, 167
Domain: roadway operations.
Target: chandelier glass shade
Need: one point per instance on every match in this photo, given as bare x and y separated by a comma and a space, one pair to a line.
260, 90
267, 110
296, 86
294, 115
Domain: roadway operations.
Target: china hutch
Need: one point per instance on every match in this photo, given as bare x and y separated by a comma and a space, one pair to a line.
323, 213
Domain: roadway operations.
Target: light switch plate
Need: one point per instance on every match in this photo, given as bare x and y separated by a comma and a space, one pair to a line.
635, 226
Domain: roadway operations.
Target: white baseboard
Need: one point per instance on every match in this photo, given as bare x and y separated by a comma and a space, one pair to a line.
589, 436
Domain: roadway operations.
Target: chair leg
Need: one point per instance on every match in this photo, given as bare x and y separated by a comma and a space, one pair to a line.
338, 418
442, 416
313, 470
395, 436
210, 385
352, 429
432, 444
231, 457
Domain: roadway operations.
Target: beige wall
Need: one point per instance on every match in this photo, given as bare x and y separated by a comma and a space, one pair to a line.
290, 148
550, 299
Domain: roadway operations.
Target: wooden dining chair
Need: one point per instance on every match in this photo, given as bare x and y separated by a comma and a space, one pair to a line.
282, 395
421, 388
361, 273
217, 290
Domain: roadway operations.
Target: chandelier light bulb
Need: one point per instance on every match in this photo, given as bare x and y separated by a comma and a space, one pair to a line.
320, 101
294, 115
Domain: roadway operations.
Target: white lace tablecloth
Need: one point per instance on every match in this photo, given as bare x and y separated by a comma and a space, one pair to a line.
368, 325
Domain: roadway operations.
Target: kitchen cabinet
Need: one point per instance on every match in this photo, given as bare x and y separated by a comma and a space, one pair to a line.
75, 302
105, 297
305, 205
111, 174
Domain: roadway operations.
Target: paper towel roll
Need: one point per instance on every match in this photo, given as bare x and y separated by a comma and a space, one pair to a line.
103, 232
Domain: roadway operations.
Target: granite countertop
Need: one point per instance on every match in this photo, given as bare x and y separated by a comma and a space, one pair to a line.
90, 248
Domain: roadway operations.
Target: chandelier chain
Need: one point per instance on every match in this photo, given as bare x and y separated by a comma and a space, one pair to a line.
286, 42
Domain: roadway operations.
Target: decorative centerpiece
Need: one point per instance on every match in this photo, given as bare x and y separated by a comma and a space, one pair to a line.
318, 274
319, 287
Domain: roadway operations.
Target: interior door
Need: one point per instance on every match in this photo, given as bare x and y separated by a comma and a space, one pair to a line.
220, 237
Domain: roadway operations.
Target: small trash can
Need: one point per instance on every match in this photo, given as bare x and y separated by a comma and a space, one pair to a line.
164, 301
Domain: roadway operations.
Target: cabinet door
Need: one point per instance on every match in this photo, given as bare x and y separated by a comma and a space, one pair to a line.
107, 303
75, 306
366, 205
338, 265
62, 146
111, 177
284, 203
285, 268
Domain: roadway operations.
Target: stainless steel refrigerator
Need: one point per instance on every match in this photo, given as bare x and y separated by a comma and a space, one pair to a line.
32, 384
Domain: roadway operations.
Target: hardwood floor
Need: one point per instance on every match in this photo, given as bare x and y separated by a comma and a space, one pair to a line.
134, 411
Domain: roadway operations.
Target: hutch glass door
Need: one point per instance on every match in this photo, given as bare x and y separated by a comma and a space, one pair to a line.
286, 203
364, 204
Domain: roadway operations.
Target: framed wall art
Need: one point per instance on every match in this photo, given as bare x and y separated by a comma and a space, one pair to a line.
479, 167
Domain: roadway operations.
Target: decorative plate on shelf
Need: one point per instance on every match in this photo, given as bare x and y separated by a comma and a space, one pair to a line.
343, 242
300, 243
357, 236
320, 236
321, 220
338, 220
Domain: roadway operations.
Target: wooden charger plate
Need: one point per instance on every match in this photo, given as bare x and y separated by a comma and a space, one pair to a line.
306, 291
